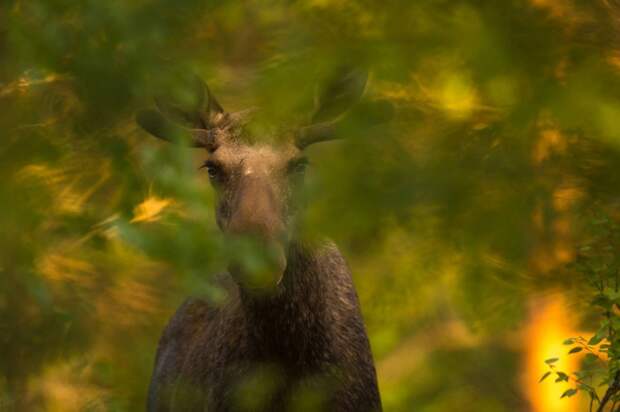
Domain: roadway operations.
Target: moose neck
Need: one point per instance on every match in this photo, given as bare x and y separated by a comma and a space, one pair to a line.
295, 315
300, 288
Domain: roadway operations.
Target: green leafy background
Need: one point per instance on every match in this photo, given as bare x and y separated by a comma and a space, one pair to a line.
458, 216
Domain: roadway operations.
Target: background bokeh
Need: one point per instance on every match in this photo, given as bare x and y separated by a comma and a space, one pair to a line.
458, 216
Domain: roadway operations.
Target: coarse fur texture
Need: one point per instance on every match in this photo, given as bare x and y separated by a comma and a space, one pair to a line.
311, 331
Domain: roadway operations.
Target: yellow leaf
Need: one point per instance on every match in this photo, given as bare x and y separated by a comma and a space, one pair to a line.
150, 209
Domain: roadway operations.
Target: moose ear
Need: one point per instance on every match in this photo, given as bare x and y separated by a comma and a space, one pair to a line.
154, 123
184, 101
188, 113
342, 90
157, 125
189, 102
213, 107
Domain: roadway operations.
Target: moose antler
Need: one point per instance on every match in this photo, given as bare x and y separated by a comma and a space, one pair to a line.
156, 124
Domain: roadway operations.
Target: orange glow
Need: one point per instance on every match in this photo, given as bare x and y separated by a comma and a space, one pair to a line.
548, 328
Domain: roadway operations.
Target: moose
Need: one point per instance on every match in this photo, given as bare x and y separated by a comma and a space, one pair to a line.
306, 335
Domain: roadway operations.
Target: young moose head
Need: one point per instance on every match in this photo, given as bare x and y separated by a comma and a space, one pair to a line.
255, 182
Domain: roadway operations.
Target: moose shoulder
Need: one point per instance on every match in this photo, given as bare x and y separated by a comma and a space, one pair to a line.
305, 340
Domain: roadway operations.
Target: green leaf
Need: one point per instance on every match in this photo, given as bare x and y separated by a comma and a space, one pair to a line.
602, 301
596, 339
569, 341
568, 393
551, 361
581, 374
589, 390
575, 350
561, 377
542, 378
590, 357
612, 294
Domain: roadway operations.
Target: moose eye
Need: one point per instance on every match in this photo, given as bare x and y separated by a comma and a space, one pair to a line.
213, 169
298, 166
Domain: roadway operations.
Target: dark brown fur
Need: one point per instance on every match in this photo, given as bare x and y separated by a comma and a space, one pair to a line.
311, 331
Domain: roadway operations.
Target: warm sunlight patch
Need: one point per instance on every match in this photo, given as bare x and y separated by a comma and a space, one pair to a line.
547, 329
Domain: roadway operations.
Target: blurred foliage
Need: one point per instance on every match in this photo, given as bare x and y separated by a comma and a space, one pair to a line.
598, 262
454, 217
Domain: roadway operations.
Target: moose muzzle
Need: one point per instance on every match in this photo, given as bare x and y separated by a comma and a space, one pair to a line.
256, 224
